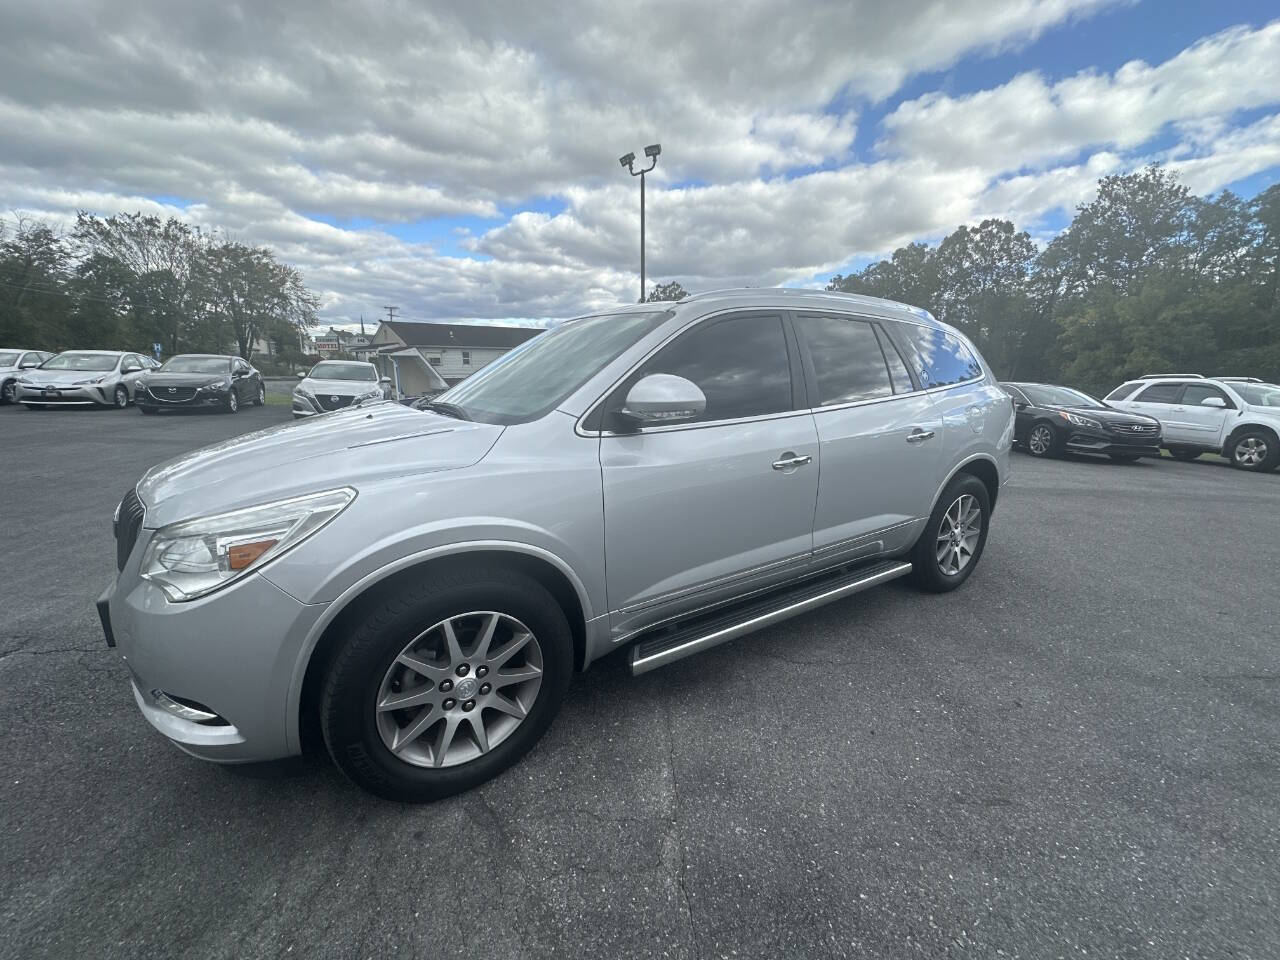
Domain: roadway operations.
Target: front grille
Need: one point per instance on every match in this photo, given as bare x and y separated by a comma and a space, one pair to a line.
329, 401
1145, 431
127, 527
172, 394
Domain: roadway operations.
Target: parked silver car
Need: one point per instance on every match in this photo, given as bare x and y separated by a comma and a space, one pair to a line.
664, 478
334, 384
12, 364
84, 378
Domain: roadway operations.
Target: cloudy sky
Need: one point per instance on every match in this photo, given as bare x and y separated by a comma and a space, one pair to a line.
460, 160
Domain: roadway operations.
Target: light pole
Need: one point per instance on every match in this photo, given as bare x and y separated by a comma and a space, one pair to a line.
628, 161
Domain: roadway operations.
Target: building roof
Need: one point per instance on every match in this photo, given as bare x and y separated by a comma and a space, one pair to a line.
415, 334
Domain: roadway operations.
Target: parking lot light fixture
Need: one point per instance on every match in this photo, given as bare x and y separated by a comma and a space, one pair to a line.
628, 160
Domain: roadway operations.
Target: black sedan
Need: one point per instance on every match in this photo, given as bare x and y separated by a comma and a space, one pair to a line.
200, 380
1049, 420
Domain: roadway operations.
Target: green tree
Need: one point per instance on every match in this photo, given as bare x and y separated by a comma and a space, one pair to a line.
666, 291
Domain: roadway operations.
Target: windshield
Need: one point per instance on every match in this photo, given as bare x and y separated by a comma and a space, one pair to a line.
195, 365
530, 380
8, 359
1043, 396
1258, 394
337, 370
82, 361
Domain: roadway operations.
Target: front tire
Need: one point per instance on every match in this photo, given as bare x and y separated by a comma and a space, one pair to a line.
120, 399
953, 539
1043, 440
9, 392
1254, 450
260, 398
446, 683
233, 401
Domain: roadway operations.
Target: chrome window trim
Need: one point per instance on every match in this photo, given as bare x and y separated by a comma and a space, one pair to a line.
672, 428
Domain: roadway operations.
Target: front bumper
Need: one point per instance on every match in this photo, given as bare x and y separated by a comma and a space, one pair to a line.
1084, 440
82, 396
233, 652
201, 398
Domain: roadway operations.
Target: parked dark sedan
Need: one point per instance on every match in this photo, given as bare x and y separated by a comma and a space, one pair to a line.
1049, 420
200, 380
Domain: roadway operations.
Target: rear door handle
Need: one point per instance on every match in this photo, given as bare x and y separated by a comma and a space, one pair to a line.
789, 460
919, 436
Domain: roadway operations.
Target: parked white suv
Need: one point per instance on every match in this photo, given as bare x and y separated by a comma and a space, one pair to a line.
1237, 417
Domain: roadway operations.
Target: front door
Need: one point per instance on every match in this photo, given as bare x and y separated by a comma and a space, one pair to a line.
704, 511
1200, 424
1159, 401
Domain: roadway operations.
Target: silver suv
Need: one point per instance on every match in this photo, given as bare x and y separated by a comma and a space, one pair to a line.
1238, 417
419, 585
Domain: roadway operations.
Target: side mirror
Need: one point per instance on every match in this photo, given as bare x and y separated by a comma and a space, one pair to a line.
1217, 402
1019, 405
302, 375
28, 364
385, 381
132, 368
662, 398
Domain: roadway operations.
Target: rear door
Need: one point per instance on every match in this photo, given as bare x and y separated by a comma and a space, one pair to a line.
1159, 400
704, 511
1203, 425
878, 436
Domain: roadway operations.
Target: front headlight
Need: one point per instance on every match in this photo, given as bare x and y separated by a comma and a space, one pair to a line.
1079, 421
196, 557
223, 384
86, 383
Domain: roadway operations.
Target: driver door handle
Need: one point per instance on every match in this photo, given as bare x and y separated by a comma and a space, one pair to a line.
789, 460
919, 436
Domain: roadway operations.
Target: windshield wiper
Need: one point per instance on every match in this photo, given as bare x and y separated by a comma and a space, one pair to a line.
448, 409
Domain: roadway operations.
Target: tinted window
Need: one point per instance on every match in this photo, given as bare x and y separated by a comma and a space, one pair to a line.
1195, 392
847, 361
1160, 393
1122, 391
942, 359
740, 364
898, 372
1015, 393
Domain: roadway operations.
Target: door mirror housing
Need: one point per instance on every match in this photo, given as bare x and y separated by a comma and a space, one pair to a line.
132, 368
28, 364
662, 398
1216, 402
385, 381
302, 375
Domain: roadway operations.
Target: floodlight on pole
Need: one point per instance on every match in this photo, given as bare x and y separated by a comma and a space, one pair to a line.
628, 160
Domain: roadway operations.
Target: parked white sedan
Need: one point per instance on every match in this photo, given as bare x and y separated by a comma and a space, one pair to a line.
334, 384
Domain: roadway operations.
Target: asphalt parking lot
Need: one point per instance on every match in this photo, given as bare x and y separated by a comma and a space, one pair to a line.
1075, 754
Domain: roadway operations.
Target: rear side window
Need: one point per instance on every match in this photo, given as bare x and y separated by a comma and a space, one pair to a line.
1160, 393
1195, 392
1122, 391
941, 359
848, 363
898, 372
740, 364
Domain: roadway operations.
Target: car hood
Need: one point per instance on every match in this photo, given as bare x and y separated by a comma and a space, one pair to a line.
338, 388
348, 448
63, 378
154, 379
1108, 415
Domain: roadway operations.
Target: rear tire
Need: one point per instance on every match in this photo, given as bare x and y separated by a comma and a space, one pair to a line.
949, 537
1256, 451
1185, 454
373, 666
260, 398
1043, 440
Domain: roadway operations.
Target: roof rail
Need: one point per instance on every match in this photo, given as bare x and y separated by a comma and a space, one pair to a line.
1172, 376
1239, 379
749, 291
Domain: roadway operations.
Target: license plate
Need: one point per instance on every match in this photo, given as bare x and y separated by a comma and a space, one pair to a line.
50, 392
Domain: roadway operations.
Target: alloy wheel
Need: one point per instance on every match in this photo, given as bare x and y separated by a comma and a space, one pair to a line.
459, 689
122, 397
1040, 440
233, 401
958, 534
1251, 452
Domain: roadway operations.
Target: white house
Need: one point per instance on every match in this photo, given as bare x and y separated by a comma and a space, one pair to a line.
425, 357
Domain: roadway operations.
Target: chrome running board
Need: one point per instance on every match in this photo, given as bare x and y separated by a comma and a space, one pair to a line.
676, 643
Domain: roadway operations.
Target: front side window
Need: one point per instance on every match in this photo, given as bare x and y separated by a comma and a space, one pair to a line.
1195, 392
848, 363
942, 358
740, 364
100, 362
1160, 393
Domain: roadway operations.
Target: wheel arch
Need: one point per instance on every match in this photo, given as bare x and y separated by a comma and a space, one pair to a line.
323, 640
980, 465
1246, 428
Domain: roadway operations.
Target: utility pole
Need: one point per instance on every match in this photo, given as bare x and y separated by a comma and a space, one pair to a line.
628, 161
